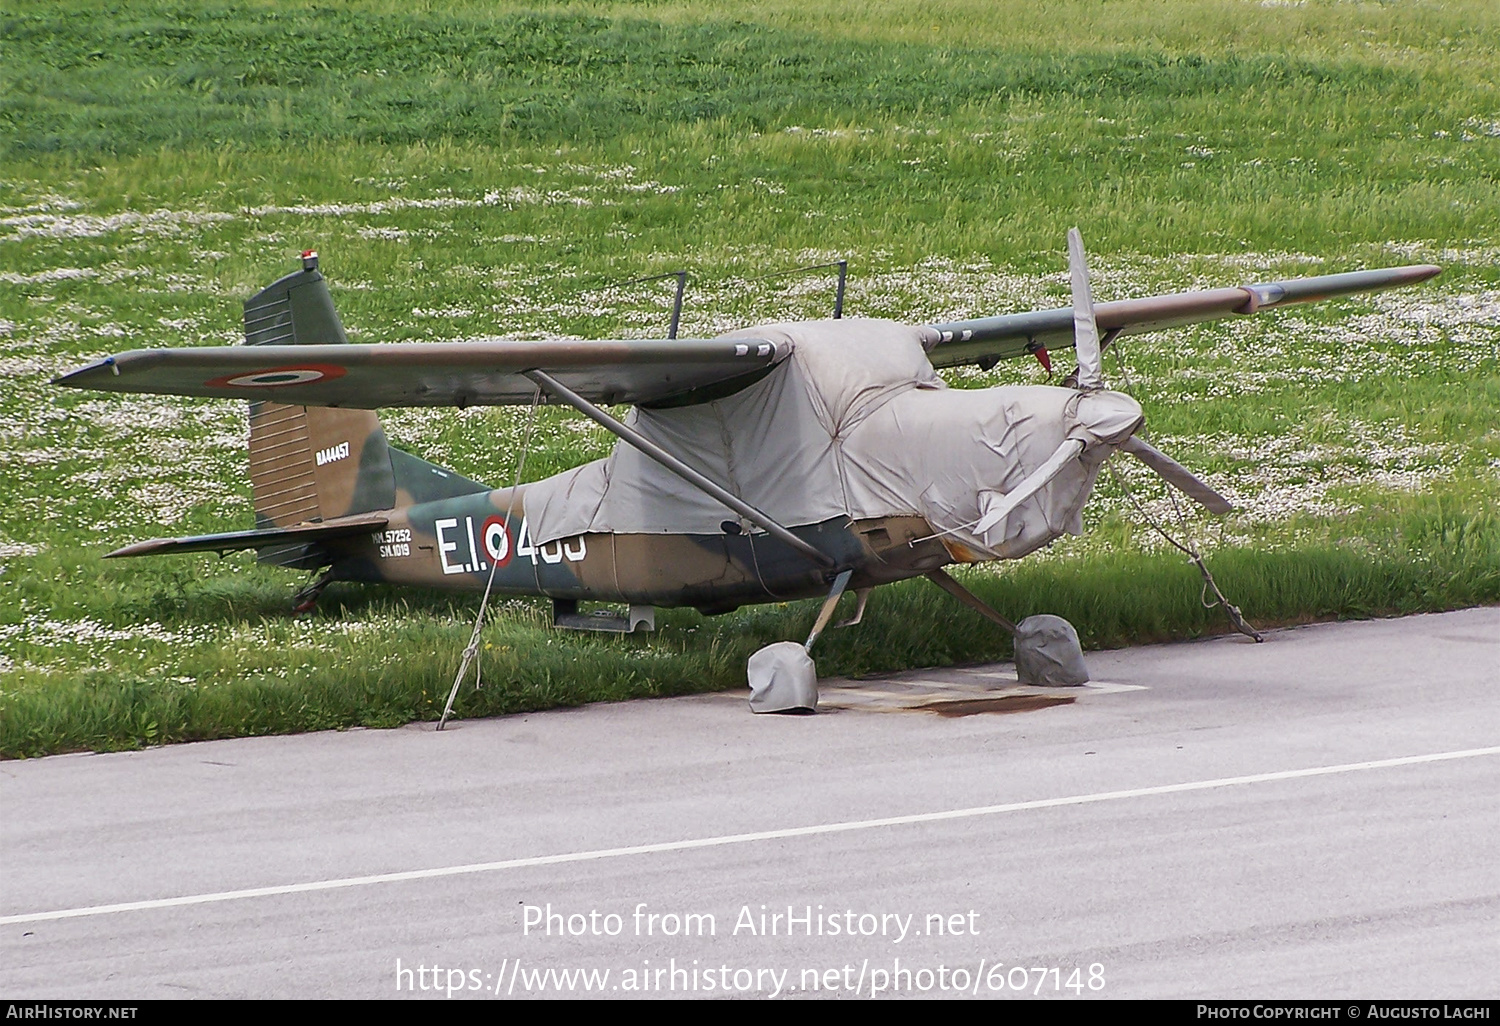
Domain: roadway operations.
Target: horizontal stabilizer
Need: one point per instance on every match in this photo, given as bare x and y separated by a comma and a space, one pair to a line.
235, 540
482, 373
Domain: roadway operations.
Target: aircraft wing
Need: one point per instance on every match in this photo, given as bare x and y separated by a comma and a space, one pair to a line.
484, 373
988, 339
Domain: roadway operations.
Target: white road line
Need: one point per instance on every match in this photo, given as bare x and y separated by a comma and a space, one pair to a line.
762, 835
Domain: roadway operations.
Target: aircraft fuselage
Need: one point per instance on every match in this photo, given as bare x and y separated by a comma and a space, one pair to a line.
454, 543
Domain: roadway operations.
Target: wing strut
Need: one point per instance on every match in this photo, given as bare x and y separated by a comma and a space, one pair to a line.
558, 390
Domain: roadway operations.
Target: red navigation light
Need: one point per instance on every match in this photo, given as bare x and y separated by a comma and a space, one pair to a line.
1042, 356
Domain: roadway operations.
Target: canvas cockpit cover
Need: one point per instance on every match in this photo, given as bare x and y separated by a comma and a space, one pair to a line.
774, 444
854, 423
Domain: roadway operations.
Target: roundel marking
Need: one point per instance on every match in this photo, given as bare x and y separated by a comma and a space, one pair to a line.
272, 377
496, 537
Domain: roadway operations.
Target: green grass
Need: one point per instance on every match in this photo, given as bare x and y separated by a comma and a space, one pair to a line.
219, 659
472, 169
184, 74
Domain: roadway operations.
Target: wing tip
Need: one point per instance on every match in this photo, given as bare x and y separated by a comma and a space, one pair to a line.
143, 548
78, 378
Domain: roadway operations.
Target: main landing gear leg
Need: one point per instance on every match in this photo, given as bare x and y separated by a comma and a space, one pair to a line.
306, 600
968, 598
1048, 653
782, 676
829, 605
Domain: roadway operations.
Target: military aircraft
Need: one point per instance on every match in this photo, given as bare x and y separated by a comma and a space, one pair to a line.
778, 462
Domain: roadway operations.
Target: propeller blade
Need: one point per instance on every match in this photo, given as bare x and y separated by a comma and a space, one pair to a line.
1176, 475
1030, 485
1085, 328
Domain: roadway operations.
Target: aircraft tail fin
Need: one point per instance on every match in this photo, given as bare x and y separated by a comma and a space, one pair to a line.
309, 463
315, 463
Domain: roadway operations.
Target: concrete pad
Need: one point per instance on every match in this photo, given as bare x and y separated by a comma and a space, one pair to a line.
1311, 817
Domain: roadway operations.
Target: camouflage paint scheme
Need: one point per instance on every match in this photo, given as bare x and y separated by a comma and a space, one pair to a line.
329, 491
450, 543
438, 529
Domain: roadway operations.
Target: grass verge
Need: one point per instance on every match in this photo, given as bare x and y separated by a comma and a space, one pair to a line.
472, 169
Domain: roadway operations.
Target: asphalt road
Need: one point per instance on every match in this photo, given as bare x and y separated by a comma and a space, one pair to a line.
1314, 817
